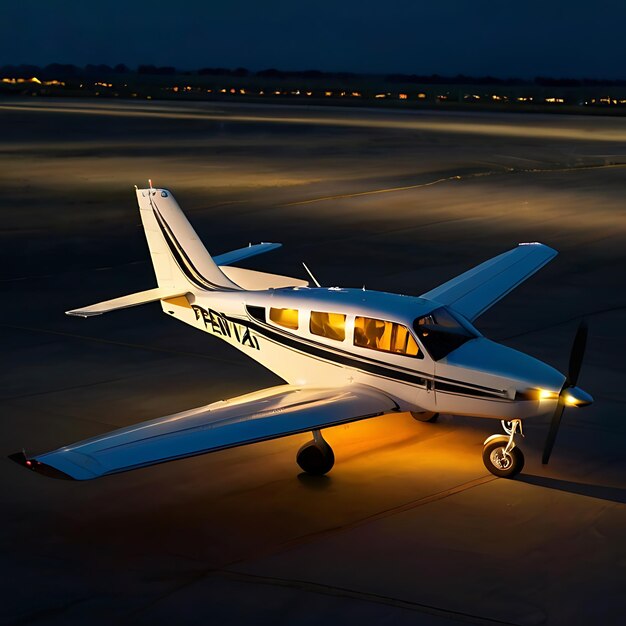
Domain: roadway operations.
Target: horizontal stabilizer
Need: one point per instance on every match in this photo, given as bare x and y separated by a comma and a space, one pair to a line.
228, 258
258, 281
259, 416
474, 291
134, 299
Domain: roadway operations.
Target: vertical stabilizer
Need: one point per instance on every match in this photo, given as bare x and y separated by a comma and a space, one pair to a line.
179, 257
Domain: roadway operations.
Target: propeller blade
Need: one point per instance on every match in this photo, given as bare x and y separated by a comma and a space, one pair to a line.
575, 362
554, 429
577, 354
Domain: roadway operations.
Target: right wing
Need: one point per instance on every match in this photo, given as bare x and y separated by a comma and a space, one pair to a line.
474, 291
267, 414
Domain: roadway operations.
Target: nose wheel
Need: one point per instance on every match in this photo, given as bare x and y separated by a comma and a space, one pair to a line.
500, 455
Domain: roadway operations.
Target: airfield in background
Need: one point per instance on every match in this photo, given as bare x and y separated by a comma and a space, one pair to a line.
409, 527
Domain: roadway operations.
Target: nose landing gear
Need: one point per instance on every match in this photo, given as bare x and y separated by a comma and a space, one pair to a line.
500, 455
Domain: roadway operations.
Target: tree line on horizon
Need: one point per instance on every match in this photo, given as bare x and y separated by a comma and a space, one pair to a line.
69, 71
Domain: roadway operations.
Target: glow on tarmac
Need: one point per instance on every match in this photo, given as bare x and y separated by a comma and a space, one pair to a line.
409, 527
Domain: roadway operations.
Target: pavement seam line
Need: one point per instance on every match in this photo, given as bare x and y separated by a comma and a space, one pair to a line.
374, 191
308, 538
123, 344
343, 592
401, 508
506, 170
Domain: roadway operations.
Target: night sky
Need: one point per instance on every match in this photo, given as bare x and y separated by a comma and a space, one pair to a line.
474, 37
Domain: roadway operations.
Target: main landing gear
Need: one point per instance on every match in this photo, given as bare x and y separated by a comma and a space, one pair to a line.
316, 457
424, 416
500, 455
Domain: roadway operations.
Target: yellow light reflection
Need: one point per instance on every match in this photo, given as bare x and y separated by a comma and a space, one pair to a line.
545, 394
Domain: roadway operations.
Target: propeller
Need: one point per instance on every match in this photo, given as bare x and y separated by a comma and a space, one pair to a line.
570, 393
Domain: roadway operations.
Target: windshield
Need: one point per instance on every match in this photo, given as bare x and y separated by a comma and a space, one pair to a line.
441, 332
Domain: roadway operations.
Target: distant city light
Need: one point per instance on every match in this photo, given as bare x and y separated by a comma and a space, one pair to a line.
503, 96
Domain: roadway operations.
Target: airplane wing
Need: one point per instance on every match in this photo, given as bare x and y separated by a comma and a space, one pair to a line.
267, 414
474, 291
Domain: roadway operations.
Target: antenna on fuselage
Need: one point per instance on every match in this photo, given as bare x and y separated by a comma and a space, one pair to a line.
310, 273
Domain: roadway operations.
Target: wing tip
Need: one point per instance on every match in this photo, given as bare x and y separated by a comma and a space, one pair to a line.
80, 313
37, 466
539, 244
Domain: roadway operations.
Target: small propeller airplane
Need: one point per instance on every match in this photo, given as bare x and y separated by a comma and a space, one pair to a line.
344, 354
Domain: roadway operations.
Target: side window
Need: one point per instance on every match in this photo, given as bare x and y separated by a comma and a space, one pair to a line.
257, 312
385, 336
331, 325
285, 317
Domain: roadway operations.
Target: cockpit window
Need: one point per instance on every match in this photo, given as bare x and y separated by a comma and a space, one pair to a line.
441, 332
386, 336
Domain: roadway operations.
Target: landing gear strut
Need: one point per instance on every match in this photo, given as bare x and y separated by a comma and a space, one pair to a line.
316, 457
500, 455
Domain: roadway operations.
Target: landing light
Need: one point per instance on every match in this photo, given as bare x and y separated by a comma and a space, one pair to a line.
545, 394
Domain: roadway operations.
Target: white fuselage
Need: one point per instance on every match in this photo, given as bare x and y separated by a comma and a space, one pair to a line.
479, 378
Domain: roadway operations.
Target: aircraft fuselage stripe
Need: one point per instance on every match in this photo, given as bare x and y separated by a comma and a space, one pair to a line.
192, 274
444, 385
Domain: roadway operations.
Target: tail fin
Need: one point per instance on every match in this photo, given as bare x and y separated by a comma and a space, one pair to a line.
181, 262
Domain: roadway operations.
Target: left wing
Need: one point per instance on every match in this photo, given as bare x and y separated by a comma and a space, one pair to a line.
474, 291
267, 414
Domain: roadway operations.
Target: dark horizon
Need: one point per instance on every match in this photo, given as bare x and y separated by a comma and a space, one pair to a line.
68, 70
566, 40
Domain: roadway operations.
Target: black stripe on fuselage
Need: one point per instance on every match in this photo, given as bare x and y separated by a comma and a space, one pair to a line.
377, 368
364, 359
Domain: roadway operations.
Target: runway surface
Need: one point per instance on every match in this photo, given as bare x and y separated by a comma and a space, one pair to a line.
409, 527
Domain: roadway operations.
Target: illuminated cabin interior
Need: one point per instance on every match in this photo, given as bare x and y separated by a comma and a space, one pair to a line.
330, 325
285, 317
375, 334
386, 336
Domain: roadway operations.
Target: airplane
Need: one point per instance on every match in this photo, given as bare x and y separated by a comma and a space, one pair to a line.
344, 354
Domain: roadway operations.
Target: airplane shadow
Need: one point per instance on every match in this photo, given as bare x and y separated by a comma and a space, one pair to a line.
612, 494
315, 483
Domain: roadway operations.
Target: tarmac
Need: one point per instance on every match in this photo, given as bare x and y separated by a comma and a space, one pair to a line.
409, 527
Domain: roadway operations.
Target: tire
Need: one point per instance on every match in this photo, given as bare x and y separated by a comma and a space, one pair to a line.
425, 416
315, 458
498, 464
